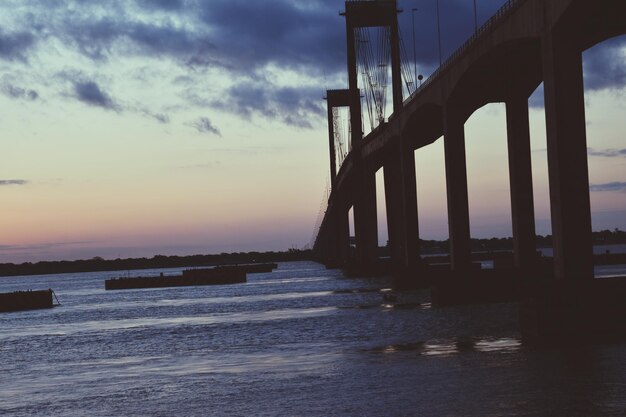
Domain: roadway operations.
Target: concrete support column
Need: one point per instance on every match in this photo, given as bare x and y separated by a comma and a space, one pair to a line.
365, 221
456, 187
324, 248
521, 183
342, 235
401, 203
567, 158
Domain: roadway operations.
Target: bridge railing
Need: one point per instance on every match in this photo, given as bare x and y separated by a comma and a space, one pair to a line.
501, 14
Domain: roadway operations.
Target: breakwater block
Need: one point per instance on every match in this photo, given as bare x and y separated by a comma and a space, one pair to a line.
219, 275
25, 300
254, 268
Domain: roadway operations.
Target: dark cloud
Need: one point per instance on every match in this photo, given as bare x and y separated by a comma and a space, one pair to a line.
610, 186
239, 36
13, 182
161, 4
244, 38
299, 107
99, 39
93, 38
610, 153
14, 46
250, 35
159, 117
605, 65
90, 93
19, 92
204, 125
168, 40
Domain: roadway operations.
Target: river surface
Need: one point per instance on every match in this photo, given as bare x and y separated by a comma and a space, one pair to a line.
300, 341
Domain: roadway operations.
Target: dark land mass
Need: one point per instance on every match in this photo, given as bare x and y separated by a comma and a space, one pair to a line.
604, 237
98, 264
481, 247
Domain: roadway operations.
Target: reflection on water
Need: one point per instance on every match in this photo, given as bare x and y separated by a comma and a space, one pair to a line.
180, 302
301, 341
453, 347
146, 322
609, 271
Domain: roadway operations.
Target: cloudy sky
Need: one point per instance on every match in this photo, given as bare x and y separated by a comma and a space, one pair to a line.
131, 128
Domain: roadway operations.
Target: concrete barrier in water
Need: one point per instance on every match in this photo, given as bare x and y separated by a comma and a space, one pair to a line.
220, 275
26, 300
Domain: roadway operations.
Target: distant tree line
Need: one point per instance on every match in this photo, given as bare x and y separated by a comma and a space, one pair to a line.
159, 261
604, 237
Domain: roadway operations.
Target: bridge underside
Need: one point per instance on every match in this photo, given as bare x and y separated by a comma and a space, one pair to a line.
533, 41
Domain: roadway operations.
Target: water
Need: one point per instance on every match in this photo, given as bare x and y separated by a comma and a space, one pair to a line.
301, 341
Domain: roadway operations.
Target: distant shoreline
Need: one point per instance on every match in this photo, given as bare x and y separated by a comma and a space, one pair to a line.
98, 264
427, 247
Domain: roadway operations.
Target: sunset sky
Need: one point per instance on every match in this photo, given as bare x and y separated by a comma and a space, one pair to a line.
136, 128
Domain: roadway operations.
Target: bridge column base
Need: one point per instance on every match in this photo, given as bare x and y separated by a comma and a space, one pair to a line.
373, 268
411, 277
574, 312
474, 286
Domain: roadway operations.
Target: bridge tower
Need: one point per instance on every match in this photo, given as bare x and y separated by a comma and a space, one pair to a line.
373, 13
335, 99
399, 171
336, 241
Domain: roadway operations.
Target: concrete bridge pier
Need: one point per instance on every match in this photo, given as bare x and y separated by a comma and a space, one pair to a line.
521, 185
567, 158
402, 223
342, 235
332, 246
365, 224
324, 247
571, 305
338, 238
456, 188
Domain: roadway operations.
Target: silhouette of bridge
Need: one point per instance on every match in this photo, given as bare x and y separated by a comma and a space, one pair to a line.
525, 43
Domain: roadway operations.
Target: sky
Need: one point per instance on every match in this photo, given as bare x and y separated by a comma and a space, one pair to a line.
141, 127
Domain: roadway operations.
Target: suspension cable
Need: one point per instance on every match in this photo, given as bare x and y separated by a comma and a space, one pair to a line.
407, 73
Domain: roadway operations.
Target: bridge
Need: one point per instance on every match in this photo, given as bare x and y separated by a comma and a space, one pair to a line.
525, 43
